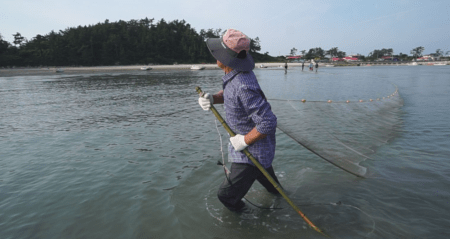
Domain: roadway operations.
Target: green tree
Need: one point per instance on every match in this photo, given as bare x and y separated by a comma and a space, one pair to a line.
334, 52
124, 42
3, 45
439, 53
402, 56
36, 50
293, 51
375, 54
314, 53
417, 52
255, 45
9, 54
341, 54
211, 33
18, 39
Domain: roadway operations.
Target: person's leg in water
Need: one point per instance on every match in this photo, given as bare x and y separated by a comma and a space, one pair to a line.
234, 188
266, 183
240, 180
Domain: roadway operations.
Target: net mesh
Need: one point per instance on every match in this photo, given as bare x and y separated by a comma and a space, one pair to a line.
342, 133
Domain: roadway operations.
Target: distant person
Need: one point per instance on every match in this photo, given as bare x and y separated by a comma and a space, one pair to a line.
317, 66
285, 67
303, 65
311, 66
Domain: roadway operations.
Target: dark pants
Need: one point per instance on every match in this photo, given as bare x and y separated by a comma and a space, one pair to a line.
239, 181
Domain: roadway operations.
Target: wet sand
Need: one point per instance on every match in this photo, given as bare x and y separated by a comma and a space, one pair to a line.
4, 72
107, 69
95, 69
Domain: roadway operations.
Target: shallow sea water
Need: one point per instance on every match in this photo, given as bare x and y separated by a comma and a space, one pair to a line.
132, 155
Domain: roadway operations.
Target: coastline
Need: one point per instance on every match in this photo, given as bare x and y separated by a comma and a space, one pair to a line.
94, 69
7, 72
108, 69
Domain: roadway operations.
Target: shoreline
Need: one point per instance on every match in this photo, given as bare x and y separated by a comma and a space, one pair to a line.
95, 69
105, 69
19, 71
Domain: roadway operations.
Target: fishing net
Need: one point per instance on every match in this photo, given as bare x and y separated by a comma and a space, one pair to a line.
344, 133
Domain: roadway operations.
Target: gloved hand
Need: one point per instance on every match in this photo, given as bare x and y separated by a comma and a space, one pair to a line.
206, 101
238, 142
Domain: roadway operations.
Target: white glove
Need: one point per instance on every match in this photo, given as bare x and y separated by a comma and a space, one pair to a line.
238, 142
206, 101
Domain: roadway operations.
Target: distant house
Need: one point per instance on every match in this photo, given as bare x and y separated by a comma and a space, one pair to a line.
429, 57
435, 56
350, 58
294, 58
347, 58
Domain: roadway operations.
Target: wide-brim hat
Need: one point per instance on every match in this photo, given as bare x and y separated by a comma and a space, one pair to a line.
232, 49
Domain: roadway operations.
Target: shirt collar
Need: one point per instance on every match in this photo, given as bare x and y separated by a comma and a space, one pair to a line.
228, 77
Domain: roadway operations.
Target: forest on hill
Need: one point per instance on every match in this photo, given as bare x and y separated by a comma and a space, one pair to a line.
117, 43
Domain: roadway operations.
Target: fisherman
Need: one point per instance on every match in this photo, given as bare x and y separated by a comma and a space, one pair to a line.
317, 66
248, 114
285, 67
311, 65
303, 65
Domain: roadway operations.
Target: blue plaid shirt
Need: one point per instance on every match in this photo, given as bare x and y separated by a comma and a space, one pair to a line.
246, 107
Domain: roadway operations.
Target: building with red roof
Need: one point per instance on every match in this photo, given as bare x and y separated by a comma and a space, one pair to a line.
293, 57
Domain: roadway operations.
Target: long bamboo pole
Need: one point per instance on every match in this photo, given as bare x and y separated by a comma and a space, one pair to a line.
261, 168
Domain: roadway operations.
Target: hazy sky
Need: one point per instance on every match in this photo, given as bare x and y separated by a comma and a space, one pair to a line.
354, 26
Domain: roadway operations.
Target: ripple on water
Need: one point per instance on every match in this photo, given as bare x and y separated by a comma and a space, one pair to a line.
129, 155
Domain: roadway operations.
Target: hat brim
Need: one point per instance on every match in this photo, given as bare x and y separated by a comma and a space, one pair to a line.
221, 54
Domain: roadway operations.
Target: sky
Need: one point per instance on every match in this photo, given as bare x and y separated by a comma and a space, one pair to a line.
354, 26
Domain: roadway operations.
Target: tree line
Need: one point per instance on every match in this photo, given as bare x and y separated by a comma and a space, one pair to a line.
416, 52
117, 43
319, 53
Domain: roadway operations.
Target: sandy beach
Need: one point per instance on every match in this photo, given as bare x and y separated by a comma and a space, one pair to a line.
5, 72
101, 69
93, 69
